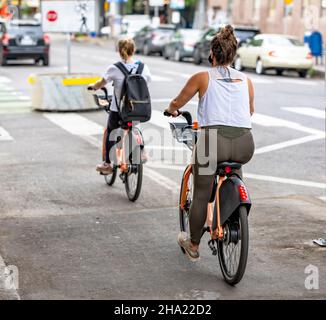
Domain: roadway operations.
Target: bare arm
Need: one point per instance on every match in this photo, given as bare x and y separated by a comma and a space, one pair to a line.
98, 85
251, 97
192, 87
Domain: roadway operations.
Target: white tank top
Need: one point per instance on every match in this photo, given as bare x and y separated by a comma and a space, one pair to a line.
224, 102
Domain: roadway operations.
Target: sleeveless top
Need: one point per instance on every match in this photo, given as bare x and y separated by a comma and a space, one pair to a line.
225, 102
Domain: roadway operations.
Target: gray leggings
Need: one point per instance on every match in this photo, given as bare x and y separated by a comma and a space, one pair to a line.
215, 144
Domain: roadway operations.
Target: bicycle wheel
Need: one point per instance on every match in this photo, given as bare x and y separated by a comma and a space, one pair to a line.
184, 213
134, 178
110, 178
233, 248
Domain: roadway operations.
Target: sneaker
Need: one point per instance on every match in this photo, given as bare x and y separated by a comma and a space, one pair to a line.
185, 242
104, 168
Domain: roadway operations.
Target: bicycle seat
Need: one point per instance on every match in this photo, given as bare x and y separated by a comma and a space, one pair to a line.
232, 165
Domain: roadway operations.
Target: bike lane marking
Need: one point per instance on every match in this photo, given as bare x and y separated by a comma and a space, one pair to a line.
253, 176
311, 112
4, 135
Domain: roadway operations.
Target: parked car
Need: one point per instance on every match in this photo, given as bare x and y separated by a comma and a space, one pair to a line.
273, 51
131, 24
23, 39
181, 44
203, 46
151, 39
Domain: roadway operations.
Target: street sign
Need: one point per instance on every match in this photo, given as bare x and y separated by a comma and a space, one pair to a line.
68, 16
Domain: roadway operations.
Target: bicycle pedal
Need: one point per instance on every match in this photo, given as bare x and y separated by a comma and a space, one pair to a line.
211, 244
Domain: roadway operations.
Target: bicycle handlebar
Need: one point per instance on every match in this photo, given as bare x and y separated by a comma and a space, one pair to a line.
185, 114
103, 89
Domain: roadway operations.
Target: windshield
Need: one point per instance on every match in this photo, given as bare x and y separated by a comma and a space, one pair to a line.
23, 29
285, 42
245, 34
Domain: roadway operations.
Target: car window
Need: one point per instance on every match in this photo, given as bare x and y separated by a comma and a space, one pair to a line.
245, 34
285, 42
24, 29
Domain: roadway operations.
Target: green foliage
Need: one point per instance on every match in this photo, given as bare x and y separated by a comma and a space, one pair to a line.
191, 3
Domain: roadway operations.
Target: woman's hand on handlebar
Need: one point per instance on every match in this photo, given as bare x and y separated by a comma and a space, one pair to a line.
91, 87
169, 113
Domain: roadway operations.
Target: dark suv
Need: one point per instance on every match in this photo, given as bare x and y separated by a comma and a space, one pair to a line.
203, 46
21, 39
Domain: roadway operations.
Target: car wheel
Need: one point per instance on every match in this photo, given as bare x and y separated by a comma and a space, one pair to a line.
260, 67
197, 58
46, 61
146, 50
238, 64
303, 73
279, 72
177, 55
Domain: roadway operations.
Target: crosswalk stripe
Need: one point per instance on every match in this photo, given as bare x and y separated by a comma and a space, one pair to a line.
75, 124
311, 112
4, 135
297, 81
4, 80
269, 121
156, 78
282, 180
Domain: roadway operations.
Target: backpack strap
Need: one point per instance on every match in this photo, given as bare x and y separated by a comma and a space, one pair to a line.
122, 68
140, 68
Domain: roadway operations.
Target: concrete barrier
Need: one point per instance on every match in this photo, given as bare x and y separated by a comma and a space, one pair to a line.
62, 92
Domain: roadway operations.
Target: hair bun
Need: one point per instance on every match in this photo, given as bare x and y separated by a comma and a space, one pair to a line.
227, 32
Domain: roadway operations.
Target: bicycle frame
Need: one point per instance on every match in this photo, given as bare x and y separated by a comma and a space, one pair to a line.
218, 233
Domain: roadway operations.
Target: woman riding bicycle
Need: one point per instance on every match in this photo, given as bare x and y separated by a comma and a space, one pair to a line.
226, 102
127, 51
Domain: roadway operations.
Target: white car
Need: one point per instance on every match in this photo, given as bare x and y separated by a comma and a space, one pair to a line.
274, 51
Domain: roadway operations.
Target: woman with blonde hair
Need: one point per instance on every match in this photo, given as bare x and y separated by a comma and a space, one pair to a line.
113, 74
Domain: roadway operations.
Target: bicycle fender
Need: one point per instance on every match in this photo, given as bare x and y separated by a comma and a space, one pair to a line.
230, 198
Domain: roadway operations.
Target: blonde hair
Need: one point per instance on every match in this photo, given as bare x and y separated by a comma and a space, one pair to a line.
127, 48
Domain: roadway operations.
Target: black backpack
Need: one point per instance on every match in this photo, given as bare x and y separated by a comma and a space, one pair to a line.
135, 101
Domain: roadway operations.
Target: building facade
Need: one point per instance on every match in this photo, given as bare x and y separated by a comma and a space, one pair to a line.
293, 17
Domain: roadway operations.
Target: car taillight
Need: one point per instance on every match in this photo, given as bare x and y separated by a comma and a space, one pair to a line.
5, 39
272, 54
309, 56
46, 39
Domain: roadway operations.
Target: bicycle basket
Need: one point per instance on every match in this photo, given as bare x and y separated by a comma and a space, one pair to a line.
182, 132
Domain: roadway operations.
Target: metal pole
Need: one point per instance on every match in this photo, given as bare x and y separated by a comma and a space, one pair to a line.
156, 14
69, 53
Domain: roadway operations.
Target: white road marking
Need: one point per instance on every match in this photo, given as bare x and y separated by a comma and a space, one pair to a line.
5, 80
322, 198
178, 74
75, 124
297, 82
289, 143
156, 78
296, 182
311, 112
161, 180
269, 121
261, 80
4, 135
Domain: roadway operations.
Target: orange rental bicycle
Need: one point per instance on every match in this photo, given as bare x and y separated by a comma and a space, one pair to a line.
227, 210
128, 152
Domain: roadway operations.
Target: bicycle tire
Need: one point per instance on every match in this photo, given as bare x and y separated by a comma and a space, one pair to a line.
134, 196
241, 217
110, 179
184, 213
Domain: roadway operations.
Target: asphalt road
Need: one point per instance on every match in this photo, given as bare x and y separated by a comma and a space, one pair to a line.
71, 236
